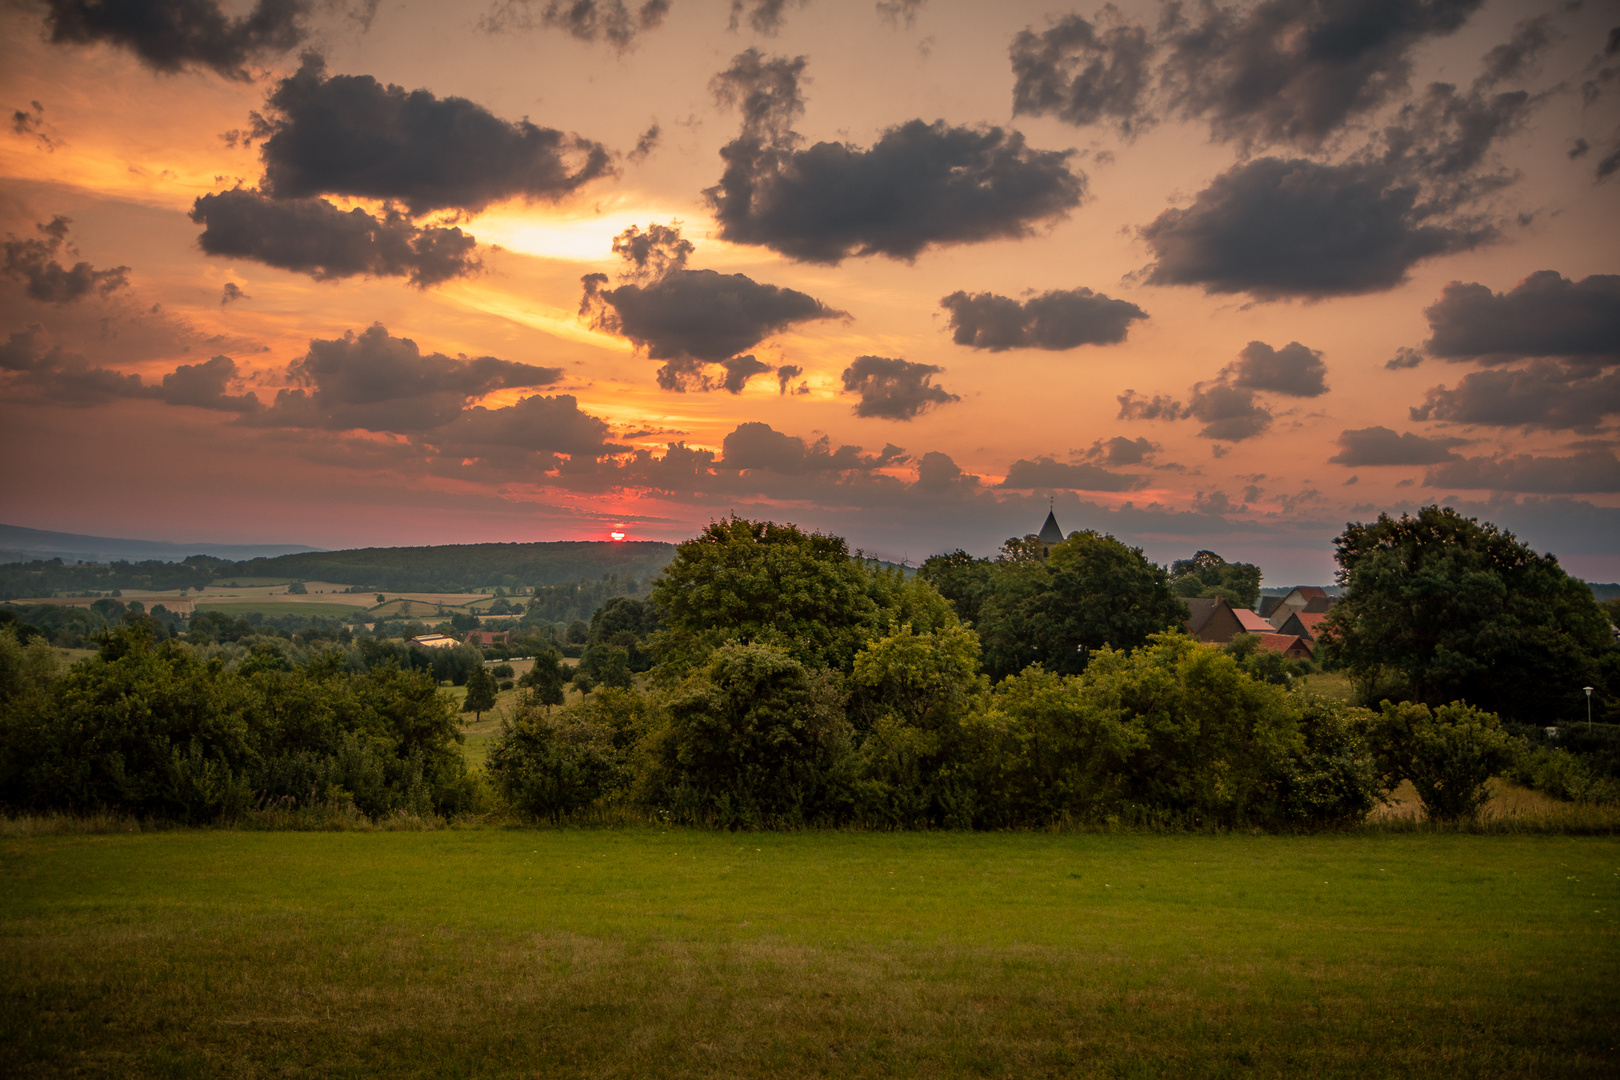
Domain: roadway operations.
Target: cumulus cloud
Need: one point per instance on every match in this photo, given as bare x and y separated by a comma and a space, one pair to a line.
351, 135
1293, 369
894, 389
588, 20
34, 262
899, 12
919, 185
739, 369
1404, 359
311, 236
533, 425
204, 386
1585, 472
169, 35
1044, 473
377, 382
1275, 228
763, 16
786, 374
1122, 451
1084, 73
755, 445
1544, 395
1057, 319
1382, 446
1545, 315
60, 377
691, 318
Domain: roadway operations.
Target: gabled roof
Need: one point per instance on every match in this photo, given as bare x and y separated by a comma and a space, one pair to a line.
1307, 592
1050, 533
1268, 604
1317, 605
1202, 610
1252, 622
1284, 643
1303, 623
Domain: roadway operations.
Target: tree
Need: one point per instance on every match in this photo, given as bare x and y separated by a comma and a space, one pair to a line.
606, 665
1464, 610
1448, 754
481, 690
961, 579
759, 581
297, 589
546, 678
1208, 575
1091, 591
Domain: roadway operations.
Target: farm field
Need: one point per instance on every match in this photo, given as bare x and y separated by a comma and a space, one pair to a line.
650, 952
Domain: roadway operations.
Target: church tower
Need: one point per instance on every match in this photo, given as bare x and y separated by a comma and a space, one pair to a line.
1050, 534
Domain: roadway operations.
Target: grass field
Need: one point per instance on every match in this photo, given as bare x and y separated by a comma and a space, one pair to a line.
277, 607
641, 952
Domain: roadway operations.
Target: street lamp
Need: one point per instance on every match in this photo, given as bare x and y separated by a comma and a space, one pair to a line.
1588, 690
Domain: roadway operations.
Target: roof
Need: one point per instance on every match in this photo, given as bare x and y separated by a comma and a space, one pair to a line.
435, 641
1307, 591
1303, 623
1285, 643
1050, 533
1252, 622
1268, 604
1318, 605
1202, 610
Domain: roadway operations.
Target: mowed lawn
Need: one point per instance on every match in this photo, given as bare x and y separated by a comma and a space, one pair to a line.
641, 952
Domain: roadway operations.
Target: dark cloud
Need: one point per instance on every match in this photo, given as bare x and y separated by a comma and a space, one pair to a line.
646, 143
899, 12
1084, 74
1513, 56
169, 35
204, 386
1276, 228
534, 425
739, 369
1293, 369
588, 20
691, 318
1158, 407
1586, 472
1044, 472
652, 254
1544, 395
1381, 446
34, 262
1059, 319
30, 122
1544, 315
786, 374
754, 445
920, 185
311, 236
377, 382
1403, 359
1228, 413
764, 16
351, 135
894, 389
232, 292
63, 378
1295, 71
1122, 451
765, 91
1578, 148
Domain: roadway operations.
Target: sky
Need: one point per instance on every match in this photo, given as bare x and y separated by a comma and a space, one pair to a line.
1202, 276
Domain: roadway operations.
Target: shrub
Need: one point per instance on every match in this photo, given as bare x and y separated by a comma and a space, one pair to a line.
1448, 753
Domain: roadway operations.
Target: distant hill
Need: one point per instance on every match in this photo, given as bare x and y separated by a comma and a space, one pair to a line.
1604, 591
20, 545
450, 568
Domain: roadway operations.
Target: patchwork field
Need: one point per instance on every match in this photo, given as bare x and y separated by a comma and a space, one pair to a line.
646, 952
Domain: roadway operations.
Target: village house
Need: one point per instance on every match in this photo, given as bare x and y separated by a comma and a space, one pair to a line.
485, 638
1300, 599
1303, 624
435, 641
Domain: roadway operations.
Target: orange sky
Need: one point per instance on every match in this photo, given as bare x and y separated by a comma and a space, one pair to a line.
125, 151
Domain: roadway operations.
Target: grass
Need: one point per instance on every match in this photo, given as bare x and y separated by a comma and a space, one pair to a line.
646, 952
277, 607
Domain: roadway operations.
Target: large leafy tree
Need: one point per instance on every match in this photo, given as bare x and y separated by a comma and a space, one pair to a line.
762, 582
1206, 574
1464, 610
1089, 592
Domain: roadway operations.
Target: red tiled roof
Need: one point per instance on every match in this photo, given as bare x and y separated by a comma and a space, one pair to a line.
1252, 622
1285, 643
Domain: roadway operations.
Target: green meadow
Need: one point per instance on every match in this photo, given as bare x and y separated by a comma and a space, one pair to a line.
643, 952
277, 607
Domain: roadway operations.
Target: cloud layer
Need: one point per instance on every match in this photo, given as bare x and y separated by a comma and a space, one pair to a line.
1057, 319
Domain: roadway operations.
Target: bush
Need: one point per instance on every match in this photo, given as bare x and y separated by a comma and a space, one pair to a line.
1447, 753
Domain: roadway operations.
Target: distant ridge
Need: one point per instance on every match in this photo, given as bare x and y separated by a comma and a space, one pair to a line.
19, 544
450, 567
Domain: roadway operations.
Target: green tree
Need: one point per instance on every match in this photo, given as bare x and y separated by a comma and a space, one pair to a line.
961, 579
481, 690
1464, 610
605, 664
545, 680
761, 582
1448, 753
1091, 591
297, 589
1208, 575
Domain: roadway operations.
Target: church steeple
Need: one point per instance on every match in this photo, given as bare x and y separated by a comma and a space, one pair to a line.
1050, 533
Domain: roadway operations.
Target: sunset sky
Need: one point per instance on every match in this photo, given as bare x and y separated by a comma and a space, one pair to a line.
1202, 276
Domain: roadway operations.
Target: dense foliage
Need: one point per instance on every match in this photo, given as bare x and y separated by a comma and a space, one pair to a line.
1463, 610
152, 729
450, 568
1208, 575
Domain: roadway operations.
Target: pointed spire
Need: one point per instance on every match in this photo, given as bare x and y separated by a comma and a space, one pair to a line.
1050, 533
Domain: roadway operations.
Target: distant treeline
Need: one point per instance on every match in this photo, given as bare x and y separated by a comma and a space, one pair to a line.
467, 566
52, 577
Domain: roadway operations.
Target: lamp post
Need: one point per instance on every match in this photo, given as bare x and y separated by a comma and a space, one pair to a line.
1588, 690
